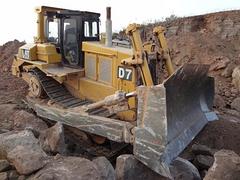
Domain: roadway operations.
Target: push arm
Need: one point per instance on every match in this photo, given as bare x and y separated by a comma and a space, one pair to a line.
139, 57
159, 34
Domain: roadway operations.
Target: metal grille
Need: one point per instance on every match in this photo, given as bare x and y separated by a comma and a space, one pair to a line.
90, 64
105, 71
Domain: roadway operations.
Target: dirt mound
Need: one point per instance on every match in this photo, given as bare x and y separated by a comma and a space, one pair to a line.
11, 88
7, 52
222, 134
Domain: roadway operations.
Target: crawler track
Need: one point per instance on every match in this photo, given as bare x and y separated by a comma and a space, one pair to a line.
59, 94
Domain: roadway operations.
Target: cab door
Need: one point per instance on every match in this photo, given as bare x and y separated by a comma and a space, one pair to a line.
70, 42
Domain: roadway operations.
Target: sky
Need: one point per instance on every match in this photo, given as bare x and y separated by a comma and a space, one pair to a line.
18, 19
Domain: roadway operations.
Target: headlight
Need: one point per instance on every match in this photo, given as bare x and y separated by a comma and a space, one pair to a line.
25, 54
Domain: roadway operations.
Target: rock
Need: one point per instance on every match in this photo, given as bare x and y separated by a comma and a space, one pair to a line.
23, 120
52, 140
12, 174
198, 149
233, 112
226, 166
22, 149
227, 72
128, 168
106, 169
182, 169
22, 177
9, 140
234, 91
4, 165
236, 78
4, 176
27, 160
203, 161
5, 111
70, 168
227, 93
220, 63
3, 131
219, 101
236, 104
203, 173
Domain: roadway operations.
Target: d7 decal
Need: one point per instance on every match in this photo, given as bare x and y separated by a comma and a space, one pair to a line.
124, 73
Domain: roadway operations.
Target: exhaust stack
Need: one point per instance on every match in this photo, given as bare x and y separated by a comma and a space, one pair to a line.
108, 41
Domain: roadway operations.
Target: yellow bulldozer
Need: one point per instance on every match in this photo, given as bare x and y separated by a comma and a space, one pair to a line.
115, 93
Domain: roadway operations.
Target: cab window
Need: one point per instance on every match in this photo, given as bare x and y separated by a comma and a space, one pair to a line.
90, 29
53, 30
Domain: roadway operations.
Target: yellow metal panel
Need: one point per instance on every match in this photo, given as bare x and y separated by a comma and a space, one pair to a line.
48, 53
98, 49
73, 81
94, 90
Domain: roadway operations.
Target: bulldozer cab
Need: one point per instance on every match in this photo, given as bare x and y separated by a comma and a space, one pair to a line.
67, 30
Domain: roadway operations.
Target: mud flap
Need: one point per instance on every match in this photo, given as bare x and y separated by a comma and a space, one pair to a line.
171, 114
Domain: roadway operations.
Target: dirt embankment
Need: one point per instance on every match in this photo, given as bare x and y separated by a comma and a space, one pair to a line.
206, 39
12, 89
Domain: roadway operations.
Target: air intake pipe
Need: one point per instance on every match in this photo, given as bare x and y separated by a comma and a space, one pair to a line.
108, 41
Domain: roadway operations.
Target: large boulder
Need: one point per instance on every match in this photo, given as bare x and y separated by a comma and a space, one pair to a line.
226, 166
52, 140
128, 168
27, 160
12, 139
182, 169
203, 161
199, 149
106, 169
23, 151
236, 77
68, 168
23, 119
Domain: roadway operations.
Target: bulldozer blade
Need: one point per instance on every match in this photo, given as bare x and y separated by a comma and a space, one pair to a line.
171, 114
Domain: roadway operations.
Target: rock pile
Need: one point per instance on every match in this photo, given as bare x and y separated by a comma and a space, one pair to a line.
34, 151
